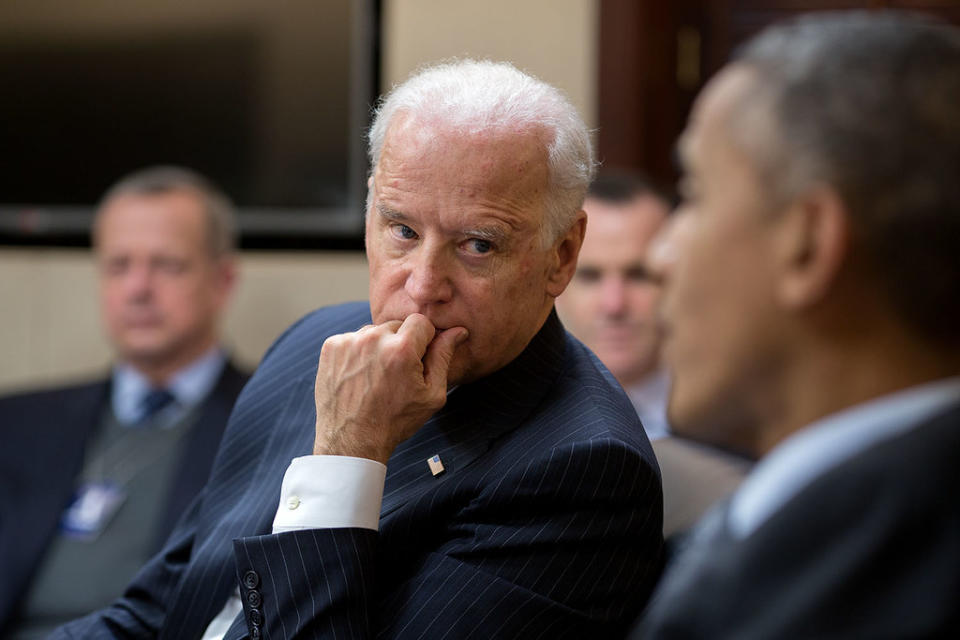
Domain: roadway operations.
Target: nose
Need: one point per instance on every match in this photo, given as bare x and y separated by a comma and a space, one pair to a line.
662, 255
138, 282
428, 277
613, 295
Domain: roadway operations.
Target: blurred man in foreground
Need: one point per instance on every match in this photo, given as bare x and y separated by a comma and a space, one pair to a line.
611, 305
810, 314
443, 460
96, 475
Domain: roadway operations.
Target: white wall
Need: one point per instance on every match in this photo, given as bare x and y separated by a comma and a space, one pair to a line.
49, 322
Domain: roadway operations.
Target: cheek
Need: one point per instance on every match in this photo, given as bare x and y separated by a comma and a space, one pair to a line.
184, 297
112, 299
386, 287
644, 298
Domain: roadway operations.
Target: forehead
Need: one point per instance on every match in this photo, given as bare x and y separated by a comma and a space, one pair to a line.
712, 128
432, 162
621, 228
175, 220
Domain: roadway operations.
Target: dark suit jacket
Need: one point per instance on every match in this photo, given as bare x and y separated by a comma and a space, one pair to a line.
546, 523
44, 436
870, 549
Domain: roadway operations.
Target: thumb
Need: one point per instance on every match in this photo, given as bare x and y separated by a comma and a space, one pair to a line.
436, 362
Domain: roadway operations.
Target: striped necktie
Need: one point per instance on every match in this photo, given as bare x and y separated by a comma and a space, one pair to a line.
153, 402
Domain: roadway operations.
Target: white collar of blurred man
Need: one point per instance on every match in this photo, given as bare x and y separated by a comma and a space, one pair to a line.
189, 386
163, 286
611, 302
773, 313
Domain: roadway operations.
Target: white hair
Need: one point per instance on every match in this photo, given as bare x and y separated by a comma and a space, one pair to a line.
473, 96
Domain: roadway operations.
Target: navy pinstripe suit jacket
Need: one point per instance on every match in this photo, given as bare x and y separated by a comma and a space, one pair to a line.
546, 523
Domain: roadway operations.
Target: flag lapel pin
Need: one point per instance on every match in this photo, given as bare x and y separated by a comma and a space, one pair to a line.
436, 467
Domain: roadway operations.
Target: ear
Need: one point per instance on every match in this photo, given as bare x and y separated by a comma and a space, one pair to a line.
812, 246
226, 274
564, 258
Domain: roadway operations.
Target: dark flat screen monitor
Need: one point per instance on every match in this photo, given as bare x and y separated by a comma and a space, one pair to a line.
269, 100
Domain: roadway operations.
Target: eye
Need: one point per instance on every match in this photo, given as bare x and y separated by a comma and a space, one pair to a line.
115, 266
638, 273
588, 275
170, 265
403, 232
479, 246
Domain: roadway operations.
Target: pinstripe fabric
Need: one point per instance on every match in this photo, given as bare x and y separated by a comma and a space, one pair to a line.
547, 521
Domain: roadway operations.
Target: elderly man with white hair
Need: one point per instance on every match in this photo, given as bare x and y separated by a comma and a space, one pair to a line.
455, 465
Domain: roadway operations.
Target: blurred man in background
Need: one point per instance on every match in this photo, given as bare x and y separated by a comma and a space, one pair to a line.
810, 310
611, 305
610, 301
96, 475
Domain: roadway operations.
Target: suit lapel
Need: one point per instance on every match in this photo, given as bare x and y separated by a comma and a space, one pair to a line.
475, 415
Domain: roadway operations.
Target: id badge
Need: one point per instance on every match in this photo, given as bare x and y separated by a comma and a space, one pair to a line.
93, 506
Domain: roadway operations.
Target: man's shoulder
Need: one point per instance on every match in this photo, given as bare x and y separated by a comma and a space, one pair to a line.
915, 467
32, 420
327, 321
586, 387
842, 539
55, 399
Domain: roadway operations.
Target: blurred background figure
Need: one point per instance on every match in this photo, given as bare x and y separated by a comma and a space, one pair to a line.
611, 306
95, 475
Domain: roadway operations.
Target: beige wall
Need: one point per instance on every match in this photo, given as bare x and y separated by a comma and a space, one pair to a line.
50, 317
554, 40
49, 323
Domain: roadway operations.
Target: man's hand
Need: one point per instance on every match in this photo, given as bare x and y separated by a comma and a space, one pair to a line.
375, 387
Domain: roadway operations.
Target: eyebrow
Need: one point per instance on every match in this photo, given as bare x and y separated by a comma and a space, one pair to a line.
390, 214
493, 235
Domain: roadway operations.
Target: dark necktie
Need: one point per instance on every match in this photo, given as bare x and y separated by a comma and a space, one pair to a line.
154, 401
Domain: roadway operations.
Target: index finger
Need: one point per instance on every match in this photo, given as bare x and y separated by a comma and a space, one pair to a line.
417, 328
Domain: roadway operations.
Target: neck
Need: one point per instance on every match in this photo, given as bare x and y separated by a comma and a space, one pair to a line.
159, 371
641, 378
849, 372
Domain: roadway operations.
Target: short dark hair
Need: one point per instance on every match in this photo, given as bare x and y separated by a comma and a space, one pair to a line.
160, 180
619, 186
869, 102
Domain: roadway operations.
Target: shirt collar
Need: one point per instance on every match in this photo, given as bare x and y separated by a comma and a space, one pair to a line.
649, 398
189, 386
827, 443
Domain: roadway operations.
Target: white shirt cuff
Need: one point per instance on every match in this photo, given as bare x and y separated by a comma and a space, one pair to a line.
326, 492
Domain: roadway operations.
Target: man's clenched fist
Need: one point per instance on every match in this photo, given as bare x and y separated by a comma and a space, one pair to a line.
375, 387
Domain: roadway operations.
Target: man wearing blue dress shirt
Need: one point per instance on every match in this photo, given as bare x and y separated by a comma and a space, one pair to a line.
96, 475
